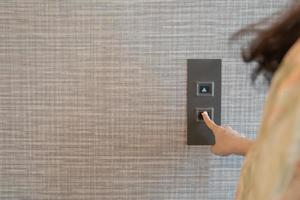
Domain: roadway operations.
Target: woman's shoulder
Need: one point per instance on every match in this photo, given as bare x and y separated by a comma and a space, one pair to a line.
293, 54
288, 75
284, 96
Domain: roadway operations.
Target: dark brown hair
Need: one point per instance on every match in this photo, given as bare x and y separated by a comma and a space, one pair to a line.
269, 45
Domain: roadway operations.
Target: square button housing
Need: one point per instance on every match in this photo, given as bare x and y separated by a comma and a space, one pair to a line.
210, 112
205, 88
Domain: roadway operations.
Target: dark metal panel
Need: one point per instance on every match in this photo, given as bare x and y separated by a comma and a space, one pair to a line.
203, 93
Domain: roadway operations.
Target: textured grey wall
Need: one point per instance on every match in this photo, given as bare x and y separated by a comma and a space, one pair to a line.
92, 97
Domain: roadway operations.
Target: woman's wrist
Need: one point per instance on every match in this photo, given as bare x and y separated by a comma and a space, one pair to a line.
243, 145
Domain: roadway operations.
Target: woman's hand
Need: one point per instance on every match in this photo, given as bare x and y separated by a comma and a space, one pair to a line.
227, 140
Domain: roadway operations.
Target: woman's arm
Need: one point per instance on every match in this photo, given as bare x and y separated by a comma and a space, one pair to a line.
243, 146
227, 140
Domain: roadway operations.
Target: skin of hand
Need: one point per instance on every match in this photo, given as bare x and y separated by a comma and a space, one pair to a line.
227, 140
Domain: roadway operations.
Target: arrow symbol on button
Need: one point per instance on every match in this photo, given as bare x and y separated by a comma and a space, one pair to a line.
204, 90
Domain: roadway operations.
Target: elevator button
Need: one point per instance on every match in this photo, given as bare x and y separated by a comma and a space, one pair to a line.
205, 89
210, 112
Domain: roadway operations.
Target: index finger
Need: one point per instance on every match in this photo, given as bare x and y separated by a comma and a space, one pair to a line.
210, 123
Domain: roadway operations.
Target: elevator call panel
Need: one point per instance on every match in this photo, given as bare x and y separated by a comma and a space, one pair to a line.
203, 94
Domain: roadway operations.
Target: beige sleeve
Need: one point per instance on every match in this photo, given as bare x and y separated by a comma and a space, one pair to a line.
293, 191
